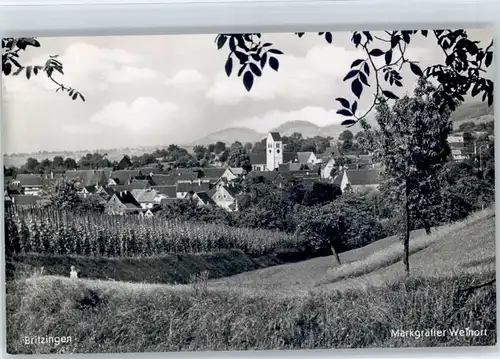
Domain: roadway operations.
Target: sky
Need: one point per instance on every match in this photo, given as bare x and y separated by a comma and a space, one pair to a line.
157, 90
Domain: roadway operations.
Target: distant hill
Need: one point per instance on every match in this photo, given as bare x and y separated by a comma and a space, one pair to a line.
472, 111
230, 135
243, 134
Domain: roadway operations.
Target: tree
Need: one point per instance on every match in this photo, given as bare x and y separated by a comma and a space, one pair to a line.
62, 194
346, 135
460, 72
200, 152
70, 163
11, 49
238, 157
219, 147
259, 147
323, 227
413, 148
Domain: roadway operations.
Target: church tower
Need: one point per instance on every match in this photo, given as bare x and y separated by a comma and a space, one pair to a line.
274, 151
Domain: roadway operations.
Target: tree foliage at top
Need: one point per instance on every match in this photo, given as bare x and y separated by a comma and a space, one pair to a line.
11, 49
460, 73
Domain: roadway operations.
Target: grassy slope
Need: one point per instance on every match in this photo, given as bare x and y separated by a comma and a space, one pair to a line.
168, 269
361, 314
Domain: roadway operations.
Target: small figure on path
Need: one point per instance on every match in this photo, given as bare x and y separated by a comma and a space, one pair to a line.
73, 273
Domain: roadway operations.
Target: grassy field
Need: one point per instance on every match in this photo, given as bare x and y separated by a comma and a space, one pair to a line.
304, 305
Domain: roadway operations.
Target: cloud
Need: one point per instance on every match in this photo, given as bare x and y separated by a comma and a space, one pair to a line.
188, 79
144, 115
313, 77
316, 115
87, 68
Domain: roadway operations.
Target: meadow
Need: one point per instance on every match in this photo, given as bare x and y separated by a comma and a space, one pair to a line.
303, 305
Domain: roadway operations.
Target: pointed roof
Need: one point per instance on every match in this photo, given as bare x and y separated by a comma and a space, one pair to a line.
275, 136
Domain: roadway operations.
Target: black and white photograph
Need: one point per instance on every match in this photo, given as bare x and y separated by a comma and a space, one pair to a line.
249, 191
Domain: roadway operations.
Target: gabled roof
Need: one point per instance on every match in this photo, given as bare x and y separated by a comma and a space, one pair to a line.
238, 171
213, 172
269, 175
290, 157
204, 198
193, 187
25, 200
30, 179
275, 136
87, 177
164, 180
258, 158
144, 195
126, 197
363, 177
125, 175
169, 191
303, 157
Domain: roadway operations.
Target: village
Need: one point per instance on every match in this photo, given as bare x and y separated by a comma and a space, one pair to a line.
143, 191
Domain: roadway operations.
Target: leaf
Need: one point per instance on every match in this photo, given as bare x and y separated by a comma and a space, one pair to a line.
241, 56
275, 51
255, 69
356, 63
366, 69
28, 72
75, 96
364, 79
344, 112
348, 122
424, 33
263, 60
350, 74
357, 88
489, 58
229, 66
395, 41
7, 68
267, 44
416, 69
221, 40
390, 95
300, 34
343, 102
328, 37
232, 43
388, 57
376, 52
354, 107
248, 80
18, 71
274, 63
242, 68
81, 96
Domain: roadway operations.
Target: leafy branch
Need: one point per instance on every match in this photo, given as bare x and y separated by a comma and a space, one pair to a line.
460, 73
11, 47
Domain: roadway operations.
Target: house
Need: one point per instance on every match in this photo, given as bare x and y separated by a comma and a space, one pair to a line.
213, 173
124, 163
358, 180
225, 197
327, 167
163, 180
26, 201
86, 178
147, 198
122, 177
306, 157
166, 191
203, 199
185, 188
456, 140
150, 212
31, 184
122, 203
88, 191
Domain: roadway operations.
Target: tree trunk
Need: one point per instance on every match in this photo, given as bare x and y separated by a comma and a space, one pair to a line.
335, 255
406, 239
